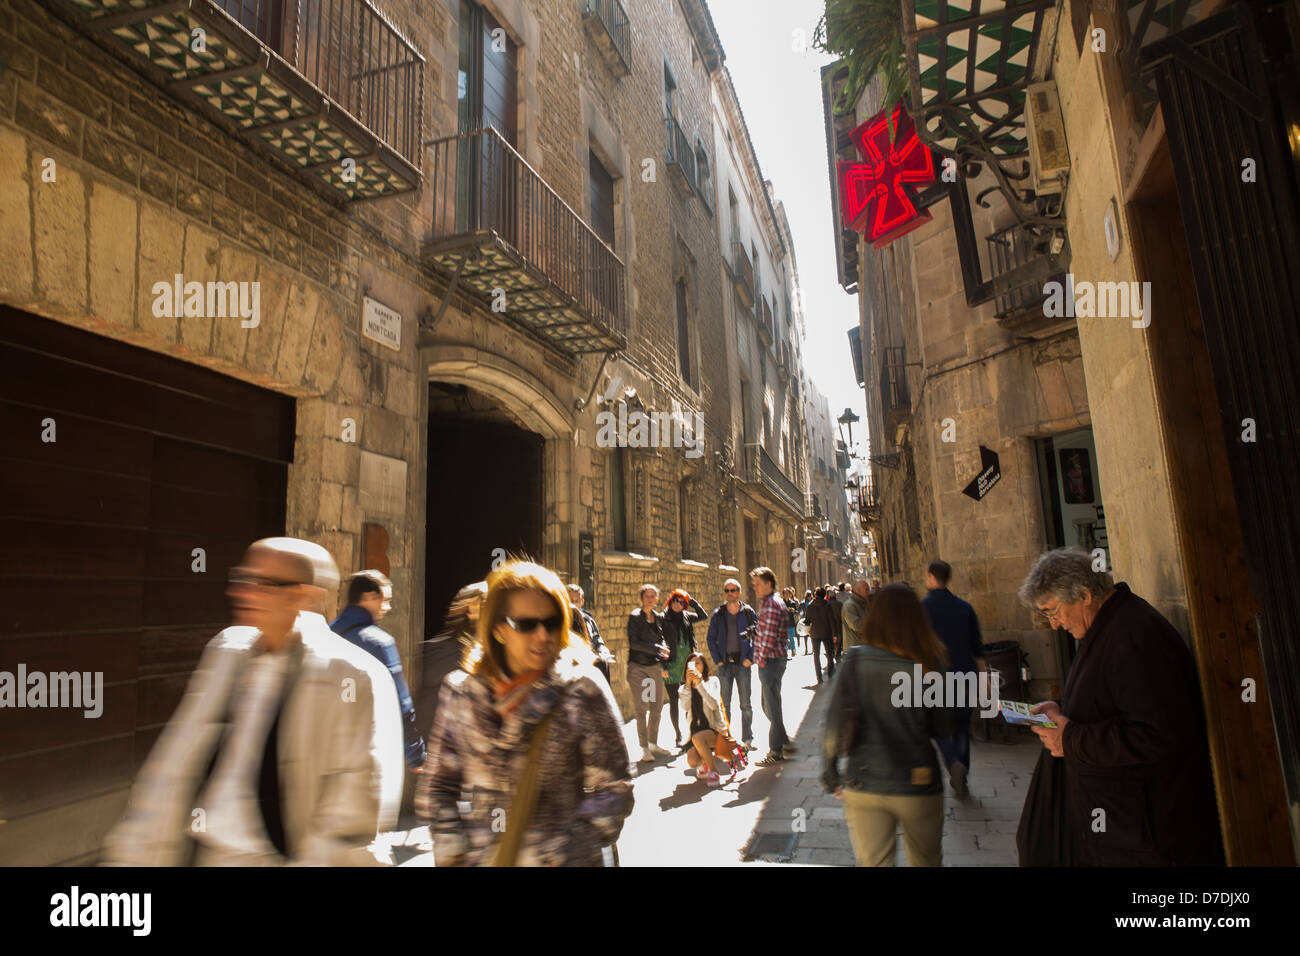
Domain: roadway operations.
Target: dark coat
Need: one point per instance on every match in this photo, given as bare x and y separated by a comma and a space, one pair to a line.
645, 639
1136, 746
823, 619
957, 626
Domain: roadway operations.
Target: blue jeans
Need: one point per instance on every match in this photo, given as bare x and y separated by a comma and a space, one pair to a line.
957, 747
737, 675
789, 636
769, 680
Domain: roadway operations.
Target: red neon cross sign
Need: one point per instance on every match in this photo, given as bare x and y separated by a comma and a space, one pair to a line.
876, 196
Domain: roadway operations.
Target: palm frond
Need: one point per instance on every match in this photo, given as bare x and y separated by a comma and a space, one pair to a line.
867, 36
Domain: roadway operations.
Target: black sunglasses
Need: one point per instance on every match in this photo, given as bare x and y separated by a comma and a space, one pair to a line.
731, 590
526, 625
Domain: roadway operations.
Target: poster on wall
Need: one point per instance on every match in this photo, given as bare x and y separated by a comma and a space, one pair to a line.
1076, 476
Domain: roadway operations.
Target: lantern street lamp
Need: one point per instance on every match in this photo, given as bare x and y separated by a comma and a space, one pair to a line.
847, 419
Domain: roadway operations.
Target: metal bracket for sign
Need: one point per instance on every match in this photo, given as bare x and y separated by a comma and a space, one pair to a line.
978, 289
581, 403
430, 324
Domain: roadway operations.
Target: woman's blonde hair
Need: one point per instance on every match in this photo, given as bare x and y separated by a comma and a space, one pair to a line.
486, 657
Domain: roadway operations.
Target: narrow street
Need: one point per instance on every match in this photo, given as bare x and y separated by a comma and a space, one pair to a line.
781, 815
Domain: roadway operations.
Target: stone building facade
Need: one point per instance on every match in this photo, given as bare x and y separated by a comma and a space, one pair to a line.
1144, 393
833, 556
943, 380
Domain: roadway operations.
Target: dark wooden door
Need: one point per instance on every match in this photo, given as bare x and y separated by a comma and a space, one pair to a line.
151, 459
1228, 90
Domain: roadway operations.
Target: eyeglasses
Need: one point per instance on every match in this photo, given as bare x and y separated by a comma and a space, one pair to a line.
240, 579
1053, 615
731, 590
526, 625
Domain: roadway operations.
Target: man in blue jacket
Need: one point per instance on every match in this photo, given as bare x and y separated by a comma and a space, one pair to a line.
957, 626
370, 596
733, 651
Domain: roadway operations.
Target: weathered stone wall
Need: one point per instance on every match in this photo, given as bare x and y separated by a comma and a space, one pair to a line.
1125, 408
145, 189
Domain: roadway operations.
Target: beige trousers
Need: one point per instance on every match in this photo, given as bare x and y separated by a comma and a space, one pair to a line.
874, 817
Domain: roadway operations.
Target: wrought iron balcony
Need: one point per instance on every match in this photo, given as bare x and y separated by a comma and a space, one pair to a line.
743, 272
328, 85
608, 26
895, 402
869, 510
502, 232
1021, 308
681, 158
765, 473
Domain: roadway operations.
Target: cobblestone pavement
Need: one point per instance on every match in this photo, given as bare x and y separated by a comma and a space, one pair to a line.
780, 814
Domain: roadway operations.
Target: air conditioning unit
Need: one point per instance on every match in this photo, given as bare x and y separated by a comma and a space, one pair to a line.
1049, 154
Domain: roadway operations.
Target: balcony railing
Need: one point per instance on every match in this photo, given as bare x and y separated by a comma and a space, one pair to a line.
681, 158
1009, 248
766, 473
743, 270
507, 235
341, 99
868, 504
610, 30
895, 402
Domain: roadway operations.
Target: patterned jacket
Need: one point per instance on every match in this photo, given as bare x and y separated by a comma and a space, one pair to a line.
477, 755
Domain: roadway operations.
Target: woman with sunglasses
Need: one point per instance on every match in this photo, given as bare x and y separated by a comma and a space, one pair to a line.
679, 632
528, 734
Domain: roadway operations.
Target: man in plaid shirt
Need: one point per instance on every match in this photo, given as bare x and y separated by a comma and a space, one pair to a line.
769, 655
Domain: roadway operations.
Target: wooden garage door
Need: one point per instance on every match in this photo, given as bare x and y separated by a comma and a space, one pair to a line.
152, 459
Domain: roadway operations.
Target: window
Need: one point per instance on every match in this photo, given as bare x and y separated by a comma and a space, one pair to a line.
744, 410
487, 82
702, 173
686, 516
683, 333
670, 93
602, 200
617, 500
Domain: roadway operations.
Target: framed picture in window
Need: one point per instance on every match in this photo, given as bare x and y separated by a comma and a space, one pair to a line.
1076, 476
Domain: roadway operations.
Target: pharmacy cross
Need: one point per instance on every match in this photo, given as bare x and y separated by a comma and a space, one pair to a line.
876, 196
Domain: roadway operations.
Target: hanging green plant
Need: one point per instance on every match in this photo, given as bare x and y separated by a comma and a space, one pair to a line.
867, 36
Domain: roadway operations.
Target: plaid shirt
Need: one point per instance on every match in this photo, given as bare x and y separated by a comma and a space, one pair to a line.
770, 643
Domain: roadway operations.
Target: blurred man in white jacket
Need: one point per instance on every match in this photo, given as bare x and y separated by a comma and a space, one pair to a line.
287, 748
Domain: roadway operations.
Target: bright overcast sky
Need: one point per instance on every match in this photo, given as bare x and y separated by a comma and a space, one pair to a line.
780, 92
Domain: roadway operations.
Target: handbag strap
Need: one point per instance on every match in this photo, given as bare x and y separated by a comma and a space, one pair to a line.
520, 814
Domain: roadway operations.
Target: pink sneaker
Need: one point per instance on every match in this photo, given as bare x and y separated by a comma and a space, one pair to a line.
713, 780
702, 771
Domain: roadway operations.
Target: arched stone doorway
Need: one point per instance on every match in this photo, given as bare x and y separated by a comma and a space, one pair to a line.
498, 476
